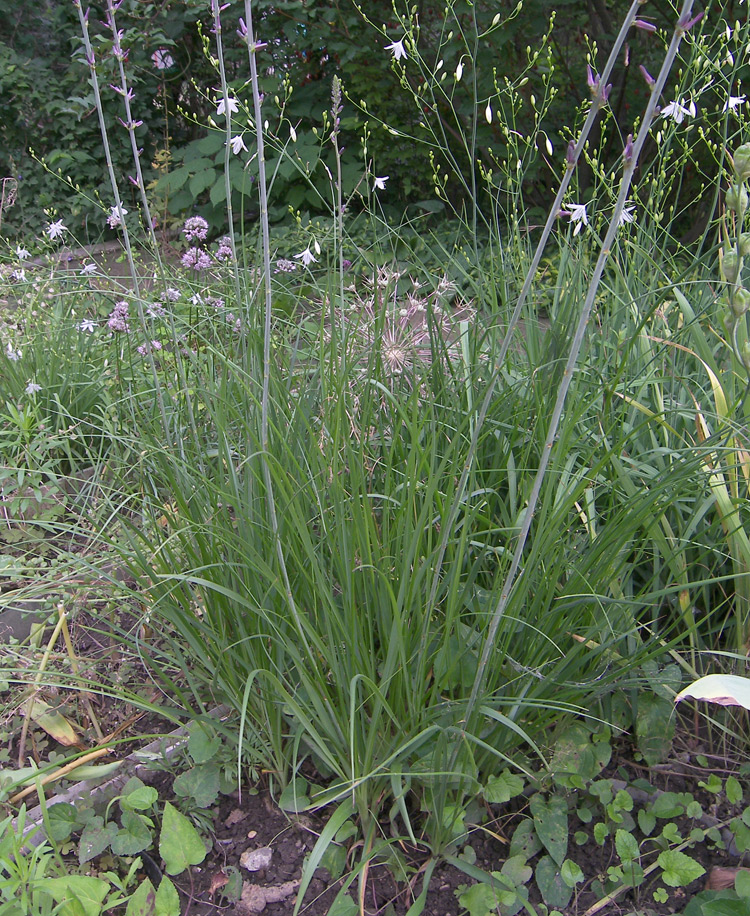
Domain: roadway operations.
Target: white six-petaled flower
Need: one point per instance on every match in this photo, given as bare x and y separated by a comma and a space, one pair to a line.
87, 325
734, 101
678, 111
32, 388
397, 49
56, 229
22, 253
380, 183
116, 216
88, 269
224, 104
627, 215
578, 215
306, 256
238, 145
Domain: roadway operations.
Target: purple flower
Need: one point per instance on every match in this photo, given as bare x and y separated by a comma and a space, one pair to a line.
195, 259
285, 266
171, 294
119, 318
224, 251
195, 228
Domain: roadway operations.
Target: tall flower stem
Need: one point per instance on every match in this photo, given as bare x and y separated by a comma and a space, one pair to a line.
91, 61
252, 49
630, 162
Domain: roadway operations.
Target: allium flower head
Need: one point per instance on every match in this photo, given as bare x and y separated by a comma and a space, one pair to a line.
224, 250
197, 260
119, 318
195, 228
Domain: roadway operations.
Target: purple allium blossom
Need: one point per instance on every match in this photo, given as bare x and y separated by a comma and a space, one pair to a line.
156, 310
224, 251
171, 294
284, 266
195, 228
197, 260
147, 347
119, 318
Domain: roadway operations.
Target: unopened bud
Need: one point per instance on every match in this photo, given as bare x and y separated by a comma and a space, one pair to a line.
730, 266
741, 161
745, 244
736, 199
740, 302
745, 354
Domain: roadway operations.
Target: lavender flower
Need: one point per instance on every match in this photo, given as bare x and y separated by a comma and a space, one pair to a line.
32, 388
195, 259
224, 251
171, 294
195, 228
119, 318
285, 266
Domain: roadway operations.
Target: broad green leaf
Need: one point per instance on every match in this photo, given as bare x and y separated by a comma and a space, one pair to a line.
180, 844
343, 905
63, 820
294, 796
574, 753
203, 742
733, 790
134, 837
551, 823
626, 846
200, 783
571, 873
79, 895
479, 900
516, 870
654, 728
143, 901
167, 899
500, 789
139, 799
679, 869
525, 842
716, 903
552, 887
95, 838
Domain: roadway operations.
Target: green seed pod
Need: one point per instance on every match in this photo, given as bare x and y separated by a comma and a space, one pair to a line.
745, 244
736, 199
746, 355
729, 322
740, 301
730, 266
741, 162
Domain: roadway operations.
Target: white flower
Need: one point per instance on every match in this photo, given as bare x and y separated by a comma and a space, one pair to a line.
162, 59
19, 274
32, 388
88, 269
22, 253
12, 354
306, 256
231, 104
397, 49
56, 229
87, 325
578, 215
627, 215
734, 101
678, 111
238, 145
116, 216
380, 183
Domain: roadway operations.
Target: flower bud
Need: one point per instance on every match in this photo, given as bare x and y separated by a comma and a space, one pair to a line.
736, 199
741, 161
745, 244
729, 322
730, 266
740, 302
746, 355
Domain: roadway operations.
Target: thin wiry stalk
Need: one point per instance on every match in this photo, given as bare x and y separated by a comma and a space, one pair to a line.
252, 49
91, 61
125, 92
216, 10
627, 176
571, 161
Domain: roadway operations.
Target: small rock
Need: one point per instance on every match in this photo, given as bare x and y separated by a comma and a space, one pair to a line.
256, 859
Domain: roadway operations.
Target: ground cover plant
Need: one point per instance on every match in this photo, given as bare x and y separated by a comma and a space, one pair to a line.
434, 514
